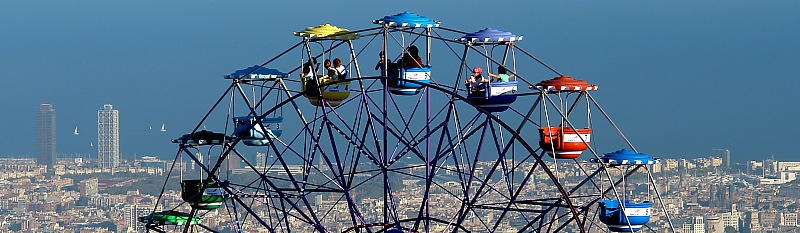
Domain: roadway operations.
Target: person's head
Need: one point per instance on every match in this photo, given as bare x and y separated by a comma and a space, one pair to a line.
327, 63
407, 57
413, 50
310, 62
477, 71
380, 54
337, 62
501, 70
306, 69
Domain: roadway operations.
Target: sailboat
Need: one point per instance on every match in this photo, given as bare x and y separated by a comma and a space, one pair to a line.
163, 129
76, 131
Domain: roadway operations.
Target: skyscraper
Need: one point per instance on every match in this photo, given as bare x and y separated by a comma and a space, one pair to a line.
108, 137
46, 135
727, 158
725, 154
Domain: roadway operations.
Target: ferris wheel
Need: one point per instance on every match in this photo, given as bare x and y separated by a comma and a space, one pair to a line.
347, 141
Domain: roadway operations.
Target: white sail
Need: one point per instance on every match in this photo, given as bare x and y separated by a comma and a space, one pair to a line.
163, 129
76, 131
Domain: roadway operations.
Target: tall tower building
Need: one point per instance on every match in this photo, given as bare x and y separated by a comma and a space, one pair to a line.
727, 158
725, 154
46, 135
108, 137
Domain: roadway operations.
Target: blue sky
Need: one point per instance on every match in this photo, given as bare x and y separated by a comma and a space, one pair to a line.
679, 77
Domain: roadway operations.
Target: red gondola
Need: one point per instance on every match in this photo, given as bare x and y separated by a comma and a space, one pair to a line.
564, 142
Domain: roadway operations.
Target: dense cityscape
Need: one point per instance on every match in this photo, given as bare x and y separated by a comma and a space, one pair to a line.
66, 193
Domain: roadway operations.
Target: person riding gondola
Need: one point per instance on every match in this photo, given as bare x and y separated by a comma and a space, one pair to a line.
339, 69
327, 65
501, 75
392, 67
411, 57
476, 80
308, 68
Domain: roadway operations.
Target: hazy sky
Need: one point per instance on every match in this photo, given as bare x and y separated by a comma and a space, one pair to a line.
680, 77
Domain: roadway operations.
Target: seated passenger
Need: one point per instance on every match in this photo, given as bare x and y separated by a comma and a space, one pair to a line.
339, 69
411, 58
501, 74
311, 85
332, 75
306, 74
307, 68
476, 79
389, 64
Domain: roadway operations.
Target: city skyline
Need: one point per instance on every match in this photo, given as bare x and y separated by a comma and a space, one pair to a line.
699, 197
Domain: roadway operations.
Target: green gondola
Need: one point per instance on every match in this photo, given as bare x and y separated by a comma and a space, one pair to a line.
170, 217
212, 198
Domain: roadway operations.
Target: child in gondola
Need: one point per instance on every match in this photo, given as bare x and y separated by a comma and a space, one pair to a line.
389, 64
501, 74
475, 81
339, 69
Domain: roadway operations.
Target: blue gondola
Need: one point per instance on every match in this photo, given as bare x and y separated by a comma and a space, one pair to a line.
628, 216
634, 217
399, 85
253, 134
397, 78
493, 96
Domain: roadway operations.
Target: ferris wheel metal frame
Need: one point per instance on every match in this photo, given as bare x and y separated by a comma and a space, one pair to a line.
380, 130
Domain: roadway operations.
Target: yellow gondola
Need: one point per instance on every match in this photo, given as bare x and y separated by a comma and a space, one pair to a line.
332, 91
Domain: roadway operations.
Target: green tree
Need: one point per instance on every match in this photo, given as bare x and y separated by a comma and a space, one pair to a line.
730, 229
